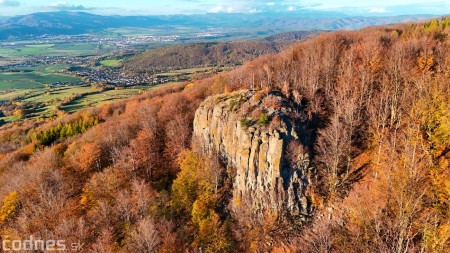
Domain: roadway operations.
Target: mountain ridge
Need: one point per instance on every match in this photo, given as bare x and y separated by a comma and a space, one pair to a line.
70, 23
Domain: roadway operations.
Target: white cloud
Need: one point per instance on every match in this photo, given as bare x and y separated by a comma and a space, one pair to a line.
221, 9
291, 8
270, 4
66, 6
216, 9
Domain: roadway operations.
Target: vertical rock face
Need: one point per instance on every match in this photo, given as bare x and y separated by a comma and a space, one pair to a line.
254, 148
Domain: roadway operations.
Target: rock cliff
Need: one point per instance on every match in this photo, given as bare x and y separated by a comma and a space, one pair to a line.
250, 133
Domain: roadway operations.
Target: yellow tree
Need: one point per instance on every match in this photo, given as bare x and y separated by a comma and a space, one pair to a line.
9, 206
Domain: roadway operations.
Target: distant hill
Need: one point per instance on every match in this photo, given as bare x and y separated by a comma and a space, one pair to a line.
66, 23
211, 54
56, 23
290, 36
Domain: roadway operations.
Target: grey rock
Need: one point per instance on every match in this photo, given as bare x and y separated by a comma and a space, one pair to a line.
263, 180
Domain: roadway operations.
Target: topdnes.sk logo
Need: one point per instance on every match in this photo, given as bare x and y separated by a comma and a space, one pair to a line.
32, 244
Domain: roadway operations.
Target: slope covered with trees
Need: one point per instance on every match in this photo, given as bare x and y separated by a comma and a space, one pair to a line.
377, 105
211, 54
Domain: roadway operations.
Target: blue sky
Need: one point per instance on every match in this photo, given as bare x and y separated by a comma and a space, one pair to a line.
152, 7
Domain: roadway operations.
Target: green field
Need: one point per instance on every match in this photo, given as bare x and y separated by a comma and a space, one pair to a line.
49, 99
50, 94
63, 49
8, 95
111, 63
8, 85
98, 98
55, 68
31, 80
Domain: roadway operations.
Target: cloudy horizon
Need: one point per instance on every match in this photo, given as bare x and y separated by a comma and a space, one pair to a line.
152, 7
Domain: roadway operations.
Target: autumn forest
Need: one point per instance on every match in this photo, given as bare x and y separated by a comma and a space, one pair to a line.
371, 109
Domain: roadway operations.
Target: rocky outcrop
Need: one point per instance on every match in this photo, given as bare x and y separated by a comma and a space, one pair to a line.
250, 133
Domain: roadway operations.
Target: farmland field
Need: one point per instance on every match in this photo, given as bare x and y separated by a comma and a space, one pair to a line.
63, 49
40, 79
111, 63
17, 84
13, 80
98, 98
49, 99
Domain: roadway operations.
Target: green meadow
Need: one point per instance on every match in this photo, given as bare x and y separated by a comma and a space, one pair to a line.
111, 63
63, 49
48, 100
31, 80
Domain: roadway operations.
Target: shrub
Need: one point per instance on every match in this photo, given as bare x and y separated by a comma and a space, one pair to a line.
245, 123
235, 103
264, 119
232, 104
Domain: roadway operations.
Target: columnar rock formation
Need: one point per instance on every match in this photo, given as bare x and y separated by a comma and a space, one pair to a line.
254, 147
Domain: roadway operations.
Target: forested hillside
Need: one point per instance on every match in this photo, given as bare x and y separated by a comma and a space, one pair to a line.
211, 54
371, 109
198, 55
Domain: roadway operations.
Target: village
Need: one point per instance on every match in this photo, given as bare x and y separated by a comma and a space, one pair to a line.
89, 71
